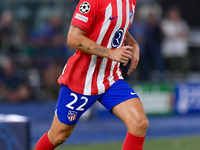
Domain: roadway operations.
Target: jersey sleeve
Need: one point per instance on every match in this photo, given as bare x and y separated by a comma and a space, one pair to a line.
84, 14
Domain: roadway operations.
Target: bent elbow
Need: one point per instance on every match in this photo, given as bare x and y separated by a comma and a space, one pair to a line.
74, 36
70, 40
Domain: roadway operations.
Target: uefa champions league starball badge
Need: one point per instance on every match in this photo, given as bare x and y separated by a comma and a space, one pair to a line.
84, 7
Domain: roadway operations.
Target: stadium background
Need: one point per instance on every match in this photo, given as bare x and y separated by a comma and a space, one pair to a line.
33, 51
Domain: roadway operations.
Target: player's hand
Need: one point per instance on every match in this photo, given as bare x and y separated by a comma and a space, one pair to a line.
122, 54
135, 58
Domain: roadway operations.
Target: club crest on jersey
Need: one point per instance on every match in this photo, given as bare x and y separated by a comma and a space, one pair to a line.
84, 7
131, 13
72, 115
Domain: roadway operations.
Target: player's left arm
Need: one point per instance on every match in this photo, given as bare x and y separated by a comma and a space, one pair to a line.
135, 51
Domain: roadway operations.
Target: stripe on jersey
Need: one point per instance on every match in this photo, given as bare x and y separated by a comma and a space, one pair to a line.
106, 35
119, 73
132, 7
101, 75
125, 27
111, 77
119, 22
105, 25
88, 83
106, 43
125, 11
127, 19
128, 8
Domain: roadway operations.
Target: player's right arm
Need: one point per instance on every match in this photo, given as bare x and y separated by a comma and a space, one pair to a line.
78, 40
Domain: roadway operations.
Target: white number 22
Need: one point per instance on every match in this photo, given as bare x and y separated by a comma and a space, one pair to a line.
80, 108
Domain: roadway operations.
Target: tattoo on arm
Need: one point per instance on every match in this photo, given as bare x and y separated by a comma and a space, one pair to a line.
79, 45
101, 50
89, 47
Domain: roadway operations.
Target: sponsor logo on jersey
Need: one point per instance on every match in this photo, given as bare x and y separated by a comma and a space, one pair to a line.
113, 18
84, 7
72, 115
133, 93
117, 39
81, 17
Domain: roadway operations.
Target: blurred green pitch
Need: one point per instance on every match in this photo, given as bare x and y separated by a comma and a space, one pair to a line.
179, 143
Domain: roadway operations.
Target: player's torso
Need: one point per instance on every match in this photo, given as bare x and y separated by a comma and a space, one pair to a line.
112, 22
107, 25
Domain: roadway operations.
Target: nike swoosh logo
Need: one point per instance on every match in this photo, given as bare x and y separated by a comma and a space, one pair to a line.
113, 18
133, 93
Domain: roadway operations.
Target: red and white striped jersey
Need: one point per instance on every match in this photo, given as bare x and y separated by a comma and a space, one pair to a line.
106, 22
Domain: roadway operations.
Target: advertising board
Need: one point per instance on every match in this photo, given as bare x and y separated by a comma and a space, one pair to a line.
157, 98
187, 98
